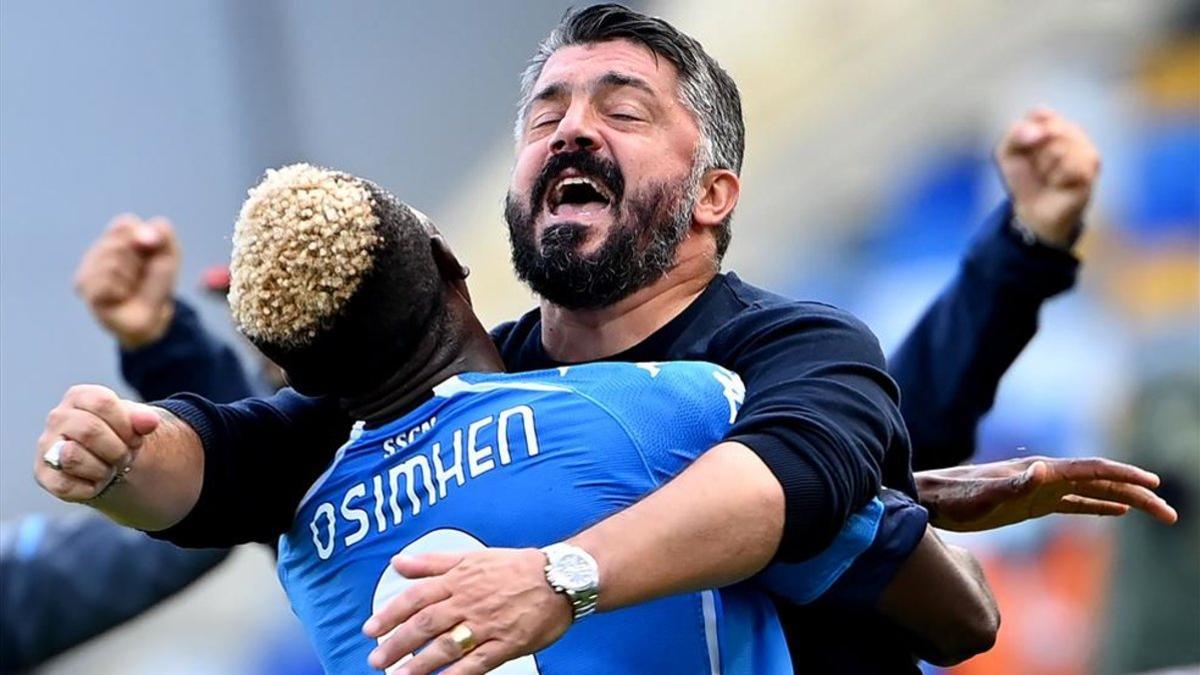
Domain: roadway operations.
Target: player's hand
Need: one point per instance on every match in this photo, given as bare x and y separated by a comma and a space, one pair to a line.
127, 278
500, 594
987, 496
1050, 167
100, 433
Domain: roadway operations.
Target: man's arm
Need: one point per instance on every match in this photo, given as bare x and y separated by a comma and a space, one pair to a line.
957, 622
950, 365
820, 412
186, 358
127, 279
200, 474
106, 575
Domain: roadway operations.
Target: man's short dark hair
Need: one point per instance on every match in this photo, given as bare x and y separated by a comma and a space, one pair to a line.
704, 87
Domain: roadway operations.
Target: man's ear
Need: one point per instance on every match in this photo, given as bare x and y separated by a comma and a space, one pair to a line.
453, 273
719, 192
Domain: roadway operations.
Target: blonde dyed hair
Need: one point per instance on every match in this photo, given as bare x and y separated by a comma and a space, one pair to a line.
304, 240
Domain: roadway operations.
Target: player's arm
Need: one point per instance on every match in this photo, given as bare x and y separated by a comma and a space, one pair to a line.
950, 365
883, 562
957, 622
199, 474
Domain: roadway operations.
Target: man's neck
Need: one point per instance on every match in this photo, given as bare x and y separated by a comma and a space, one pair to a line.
461, 346
574, 336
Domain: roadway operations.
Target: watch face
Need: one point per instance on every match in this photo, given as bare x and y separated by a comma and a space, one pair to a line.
577, 572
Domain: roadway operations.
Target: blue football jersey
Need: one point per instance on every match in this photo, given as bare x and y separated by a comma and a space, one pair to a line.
525, 460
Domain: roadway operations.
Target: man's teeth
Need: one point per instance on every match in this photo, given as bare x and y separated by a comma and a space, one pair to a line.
562, 185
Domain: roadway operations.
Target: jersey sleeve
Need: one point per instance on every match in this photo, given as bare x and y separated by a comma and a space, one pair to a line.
673, 411
860, 562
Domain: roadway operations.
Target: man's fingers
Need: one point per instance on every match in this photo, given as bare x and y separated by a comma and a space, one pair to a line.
149, 236
1132, 495
482, 659
93, 434
63, 485
436, 653
1049, 157
104, 404
1023, 137
1074, 504
143, 419
400, 608
77, 462
430, 627
162, 263
1097, 468
425, 565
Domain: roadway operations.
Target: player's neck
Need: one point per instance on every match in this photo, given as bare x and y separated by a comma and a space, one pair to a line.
573, 336
460, 345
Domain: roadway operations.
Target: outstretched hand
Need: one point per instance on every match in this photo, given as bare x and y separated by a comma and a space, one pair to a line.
987, 496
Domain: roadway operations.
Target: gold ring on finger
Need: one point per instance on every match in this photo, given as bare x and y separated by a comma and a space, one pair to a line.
463, 637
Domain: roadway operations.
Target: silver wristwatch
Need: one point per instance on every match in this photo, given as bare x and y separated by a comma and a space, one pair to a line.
574, 573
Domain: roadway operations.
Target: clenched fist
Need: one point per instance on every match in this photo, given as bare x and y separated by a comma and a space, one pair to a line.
1050, 167
128, 278
91, 435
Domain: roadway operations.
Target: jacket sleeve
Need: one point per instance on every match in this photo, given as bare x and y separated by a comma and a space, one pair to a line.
950, 365
67, 580
260, 456
820, 411
185, 359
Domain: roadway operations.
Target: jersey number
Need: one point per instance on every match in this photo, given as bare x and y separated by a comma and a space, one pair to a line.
440, 541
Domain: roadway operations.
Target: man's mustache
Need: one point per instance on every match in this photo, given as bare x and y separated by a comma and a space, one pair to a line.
587, 163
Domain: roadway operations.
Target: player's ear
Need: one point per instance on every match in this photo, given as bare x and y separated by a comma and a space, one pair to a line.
453, 272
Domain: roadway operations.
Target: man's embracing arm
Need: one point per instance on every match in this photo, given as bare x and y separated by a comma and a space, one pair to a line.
192, 472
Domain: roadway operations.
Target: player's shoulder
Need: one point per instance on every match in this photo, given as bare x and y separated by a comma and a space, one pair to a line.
650, 385
696, 393
757, 305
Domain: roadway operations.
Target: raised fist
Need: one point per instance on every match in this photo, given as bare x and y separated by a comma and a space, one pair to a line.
1050, 166
89, 436
127, 278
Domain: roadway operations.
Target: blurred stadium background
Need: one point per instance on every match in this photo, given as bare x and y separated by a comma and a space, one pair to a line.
870, 125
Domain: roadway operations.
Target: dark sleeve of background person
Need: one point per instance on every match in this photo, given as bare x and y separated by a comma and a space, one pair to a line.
260, 456
109, 573
820, 411
950, 365
185, 359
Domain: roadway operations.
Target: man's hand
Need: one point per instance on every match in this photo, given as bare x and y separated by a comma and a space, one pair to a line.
987, 496
1050, 166
97, 435
128, 278
500, 594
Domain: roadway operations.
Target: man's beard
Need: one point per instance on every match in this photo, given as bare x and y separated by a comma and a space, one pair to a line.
640, 247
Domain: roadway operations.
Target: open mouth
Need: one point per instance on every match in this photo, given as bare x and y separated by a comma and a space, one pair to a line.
576, 194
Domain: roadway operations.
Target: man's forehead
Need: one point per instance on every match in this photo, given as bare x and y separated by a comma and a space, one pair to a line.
580, 64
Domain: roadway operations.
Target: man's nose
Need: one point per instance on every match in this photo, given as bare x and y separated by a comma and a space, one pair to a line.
576, 131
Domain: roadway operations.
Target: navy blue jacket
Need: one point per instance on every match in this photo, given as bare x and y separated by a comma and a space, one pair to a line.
65, 580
